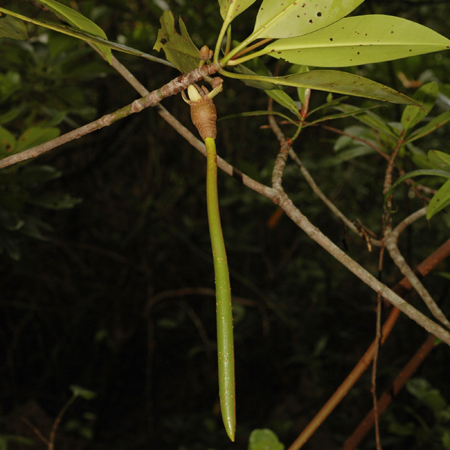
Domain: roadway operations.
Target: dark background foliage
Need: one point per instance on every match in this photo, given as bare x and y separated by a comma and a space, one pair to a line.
117, 297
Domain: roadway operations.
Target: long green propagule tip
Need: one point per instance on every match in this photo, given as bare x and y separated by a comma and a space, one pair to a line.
224, 313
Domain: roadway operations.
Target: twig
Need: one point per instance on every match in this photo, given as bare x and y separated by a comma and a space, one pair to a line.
280, 162
391, 246
408, 221
173, 87
316, 189
374, 372
375, 357
357, 138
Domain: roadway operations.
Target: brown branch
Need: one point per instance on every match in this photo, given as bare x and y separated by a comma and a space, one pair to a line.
367, 423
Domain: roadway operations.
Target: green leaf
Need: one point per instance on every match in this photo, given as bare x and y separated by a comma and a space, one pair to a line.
258, 113
56, 201
426, 96
179, 50
37, 173
229, 9
416, 173
85, 36
426, 394
35, 136
446, 439
347, 155
79, 391
439, 160
264, 85
431, 126
13, 28
301, 91
440, 200
368, 118
77, 20
343, 83
264, 439
284, 100
10, 115
289, 18
7, 143
359, 40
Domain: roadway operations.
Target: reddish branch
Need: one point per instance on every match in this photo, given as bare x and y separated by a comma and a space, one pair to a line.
400, 288
383, 402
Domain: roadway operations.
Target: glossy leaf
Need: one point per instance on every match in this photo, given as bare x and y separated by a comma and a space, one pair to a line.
264, 439
77, 20
290, 18
79, 391
440, 160
359, 40
347, 155
264, 85
301, 91
7, 143
13, 28
343, 83
84, 36
229, 9
334, 116
284, 100
416, 173
368, 118
425, 96
431, 126
35, 136
179, 50
258, 113
440, 200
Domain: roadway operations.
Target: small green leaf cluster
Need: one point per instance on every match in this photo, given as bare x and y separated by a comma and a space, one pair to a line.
21, 186
438, 163
435, 434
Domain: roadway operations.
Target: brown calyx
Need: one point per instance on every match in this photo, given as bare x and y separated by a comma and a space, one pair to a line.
204, 117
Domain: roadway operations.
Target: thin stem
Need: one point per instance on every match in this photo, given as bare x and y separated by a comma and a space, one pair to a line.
222, 32
224, 313
237, 58
51, 444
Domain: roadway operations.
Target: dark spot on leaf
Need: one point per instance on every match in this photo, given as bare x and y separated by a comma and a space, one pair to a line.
298, 15
392, 32
310, 21
319, 14
164, 41
331, 39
